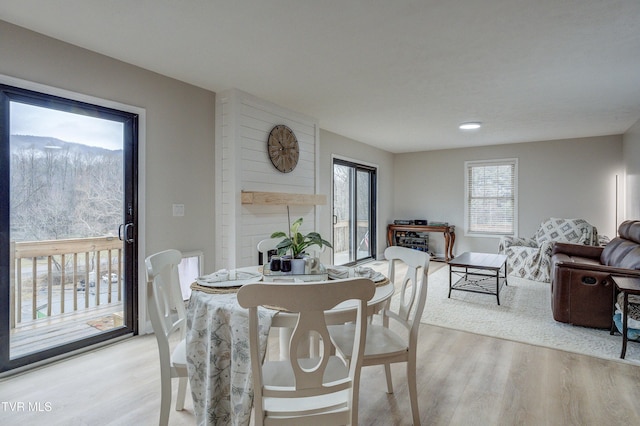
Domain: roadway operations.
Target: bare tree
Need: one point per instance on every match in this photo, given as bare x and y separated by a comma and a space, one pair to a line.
65, 193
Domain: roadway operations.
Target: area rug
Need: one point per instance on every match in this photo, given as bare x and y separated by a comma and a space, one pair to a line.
524, 315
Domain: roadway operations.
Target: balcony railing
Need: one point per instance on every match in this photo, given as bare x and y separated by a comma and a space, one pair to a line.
342, 240
54, 277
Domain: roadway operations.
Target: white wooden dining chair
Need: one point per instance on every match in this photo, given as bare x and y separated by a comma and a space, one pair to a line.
393, 336
168, 318
302, 390
264, 246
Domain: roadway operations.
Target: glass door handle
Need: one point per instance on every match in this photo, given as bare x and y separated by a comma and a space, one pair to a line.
124, 230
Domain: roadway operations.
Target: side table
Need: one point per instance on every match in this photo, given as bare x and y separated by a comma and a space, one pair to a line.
448, 231
627, 286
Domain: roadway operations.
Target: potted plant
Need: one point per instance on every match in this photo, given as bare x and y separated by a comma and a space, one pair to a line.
296, 242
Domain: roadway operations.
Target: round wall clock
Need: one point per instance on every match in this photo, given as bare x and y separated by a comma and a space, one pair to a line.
283, 149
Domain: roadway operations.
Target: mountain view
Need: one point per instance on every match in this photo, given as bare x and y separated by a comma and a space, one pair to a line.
60, 189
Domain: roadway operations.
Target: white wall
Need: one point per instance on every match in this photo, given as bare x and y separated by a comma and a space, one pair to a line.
563, 178
243, 124
631, 153
332, 144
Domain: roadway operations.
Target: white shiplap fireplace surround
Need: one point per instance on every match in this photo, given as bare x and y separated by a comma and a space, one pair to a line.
243, 123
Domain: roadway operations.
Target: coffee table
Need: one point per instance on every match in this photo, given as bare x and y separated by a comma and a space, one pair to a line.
478, 273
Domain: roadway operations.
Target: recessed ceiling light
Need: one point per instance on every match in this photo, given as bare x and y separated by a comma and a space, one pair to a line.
471, 125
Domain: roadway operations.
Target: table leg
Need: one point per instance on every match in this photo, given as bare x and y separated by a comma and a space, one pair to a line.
452, 241
624, 324
505, 274
498, 285
447, 242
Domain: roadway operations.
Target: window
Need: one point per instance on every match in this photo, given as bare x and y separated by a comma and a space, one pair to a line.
491, 197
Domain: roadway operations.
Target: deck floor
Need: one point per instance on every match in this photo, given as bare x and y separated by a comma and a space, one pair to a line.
36, 335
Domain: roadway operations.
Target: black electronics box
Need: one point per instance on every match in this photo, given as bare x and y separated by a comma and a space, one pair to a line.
420, 221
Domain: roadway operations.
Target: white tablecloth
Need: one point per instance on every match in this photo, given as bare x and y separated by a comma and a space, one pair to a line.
218, 357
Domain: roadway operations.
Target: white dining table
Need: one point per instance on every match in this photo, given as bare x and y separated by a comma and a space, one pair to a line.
217, 348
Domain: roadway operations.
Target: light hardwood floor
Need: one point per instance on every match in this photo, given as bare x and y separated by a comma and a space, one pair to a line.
463, 379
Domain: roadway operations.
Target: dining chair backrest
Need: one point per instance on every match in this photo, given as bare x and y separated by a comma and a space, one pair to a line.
265, 246
321, 390
166, 307
413, 287
168, 317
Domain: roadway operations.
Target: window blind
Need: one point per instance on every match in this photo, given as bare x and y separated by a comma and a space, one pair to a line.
491, 202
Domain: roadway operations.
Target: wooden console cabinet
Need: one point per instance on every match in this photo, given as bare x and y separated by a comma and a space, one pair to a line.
448, 231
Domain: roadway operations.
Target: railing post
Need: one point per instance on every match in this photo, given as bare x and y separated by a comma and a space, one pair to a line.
34, 287
109, 270
75, 281
86, 280
120, 283
63, 278
49, 286
98, 277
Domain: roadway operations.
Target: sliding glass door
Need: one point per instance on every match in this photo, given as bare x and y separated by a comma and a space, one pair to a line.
354, 212
67, 225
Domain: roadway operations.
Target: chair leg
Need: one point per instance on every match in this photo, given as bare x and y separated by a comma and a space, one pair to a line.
165, 396
387, 372
413, 392
182, 392
355, 394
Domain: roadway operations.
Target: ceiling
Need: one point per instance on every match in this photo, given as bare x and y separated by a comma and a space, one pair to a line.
398, 75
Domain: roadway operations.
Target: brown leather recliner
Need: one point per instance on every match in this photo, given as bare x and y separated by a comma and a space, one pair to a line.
581, 285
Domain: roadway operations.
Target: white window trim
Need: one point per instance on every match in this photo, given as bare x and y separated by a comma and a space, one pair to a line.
467, 165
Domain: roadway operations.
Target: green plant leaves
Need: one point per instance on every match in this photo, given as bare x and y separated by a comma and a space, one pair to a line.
296, 242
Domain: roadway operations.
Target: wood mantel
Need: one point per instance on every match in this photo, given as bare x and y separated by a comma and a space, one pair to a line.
282, 199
